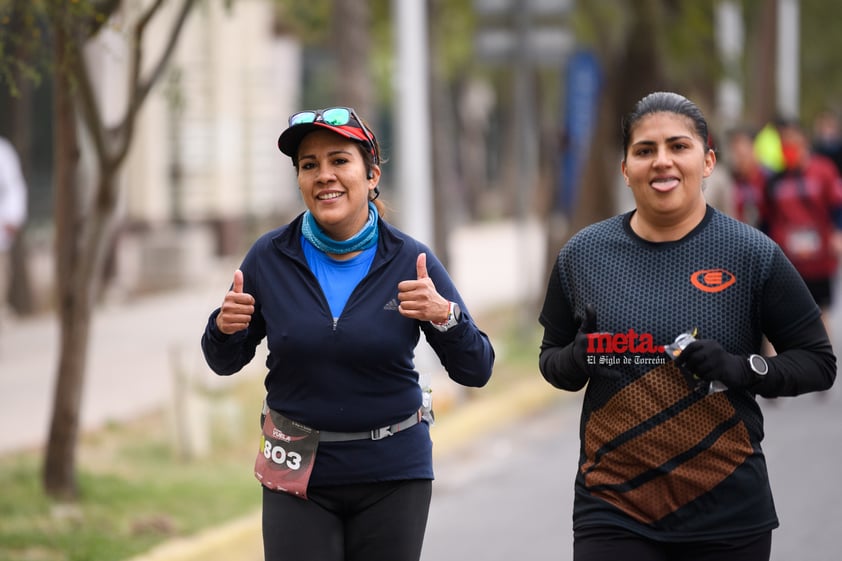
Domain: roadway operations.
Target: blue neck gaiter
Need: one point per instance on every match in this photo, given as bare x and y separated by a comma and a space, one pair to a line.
363, 239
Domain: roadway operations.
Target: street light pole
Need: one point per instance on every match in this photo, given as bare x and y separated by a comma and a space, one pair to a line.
412, 140
788, 71
730, 39
412, 119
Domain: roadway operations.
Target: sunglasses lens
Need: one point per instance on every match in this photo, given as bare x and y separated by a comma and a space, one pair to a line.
302, 118
336, 116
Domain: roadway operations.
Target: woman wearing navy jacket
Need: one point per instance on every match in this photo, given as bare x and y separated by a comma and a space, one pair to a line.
342, 298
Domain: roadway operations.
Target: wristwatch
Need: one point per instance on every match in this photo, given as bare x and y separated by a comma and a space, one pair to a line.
759, 366
454, 314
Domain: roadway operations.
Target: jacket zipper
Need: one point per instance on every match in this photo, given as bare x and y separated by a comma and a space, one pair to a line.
303, 263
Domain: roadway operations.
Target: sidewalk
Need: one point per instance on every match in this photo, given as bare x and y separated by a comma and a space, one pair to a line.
134, 350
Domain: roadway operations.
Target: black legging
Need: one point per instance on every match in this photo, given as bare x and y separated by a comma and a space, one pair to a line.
602, 544
368, 522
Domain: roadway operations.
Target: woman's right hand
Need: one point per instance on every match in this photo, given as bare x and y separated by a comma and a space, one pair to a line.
582, 355
237, 308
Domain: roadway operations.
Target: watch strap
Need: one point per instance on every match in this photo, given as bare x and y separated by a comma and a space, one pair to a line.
453, 314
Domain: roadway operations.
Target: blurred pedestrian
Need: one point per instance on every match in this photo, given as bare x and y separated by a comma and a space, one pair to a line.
748, 176
661, 311
342, 297
827, 137
12, 212
803, 212
767, 148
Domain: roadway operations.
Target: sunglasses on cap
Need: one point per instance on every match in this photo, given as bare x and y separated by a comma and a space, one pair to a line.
335, 117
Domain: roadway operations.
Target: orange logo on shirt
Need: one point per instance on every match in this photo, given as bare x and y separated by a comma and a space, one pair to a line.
712, 280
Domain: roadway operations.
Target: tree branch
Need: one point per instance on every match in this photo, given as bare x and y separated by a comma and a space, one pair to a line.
138, 87
84, 94
80, 31
105, 8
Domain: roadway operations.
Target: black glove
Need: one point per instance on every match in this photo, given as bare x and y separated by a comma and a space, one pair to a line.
580, 349
706, 359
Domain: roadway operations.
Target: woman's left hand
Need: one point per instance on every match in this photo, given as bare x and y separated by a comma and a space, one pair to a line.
419, 298
706, 359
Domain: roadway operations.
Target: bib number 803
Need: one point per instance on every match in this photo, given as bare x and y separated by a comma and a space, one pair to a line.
276, 454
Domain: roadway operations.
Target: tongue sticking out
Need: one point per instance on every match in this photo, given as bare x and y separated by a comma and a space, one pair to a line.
665, 184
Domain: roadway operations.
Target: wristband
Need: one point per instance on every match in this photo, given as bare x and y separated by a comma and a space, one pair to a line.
454, 314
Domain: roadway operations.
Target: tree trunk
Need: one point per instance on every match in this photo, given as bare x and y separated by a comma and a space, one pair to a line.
76, 304
60, 462
630, 71
59, 465
352, 41
447, 187
762, 65
639, 72
84, 233
77, 298
83, 238
20, 296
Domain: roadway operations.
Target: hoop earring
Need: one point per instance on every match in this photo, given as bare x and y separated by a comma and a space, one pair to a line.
376, 192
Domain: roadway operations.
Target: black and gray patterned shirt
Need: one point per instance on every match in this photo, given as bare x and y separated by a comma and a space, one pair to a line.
658, 457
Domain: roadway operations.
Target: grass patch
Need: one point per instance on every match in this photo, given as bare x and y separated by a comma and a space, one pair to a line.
138, 490
516, 337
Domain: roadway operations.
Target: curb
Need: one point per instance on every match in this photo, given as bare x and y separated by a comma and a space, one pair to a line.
241, 537
486, 414
233, 540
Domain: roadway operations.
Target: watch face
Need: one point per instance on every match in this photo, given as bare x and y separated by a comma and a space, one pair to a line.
758, 364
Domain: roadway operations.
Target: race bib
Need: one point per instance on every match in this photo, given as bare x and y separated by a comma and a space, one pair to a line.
803, 243
287, 452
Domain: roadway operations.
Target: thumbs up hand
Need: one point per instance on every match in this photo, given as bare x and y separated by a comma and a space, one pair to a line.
419, 299
237, 308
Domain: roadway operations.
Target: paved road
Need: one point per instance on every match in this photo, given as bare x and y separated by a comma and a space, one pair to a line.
509, 495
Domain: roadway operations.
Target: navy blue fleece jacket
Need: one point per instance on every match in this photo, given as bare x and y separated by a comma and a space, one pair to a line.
357, 374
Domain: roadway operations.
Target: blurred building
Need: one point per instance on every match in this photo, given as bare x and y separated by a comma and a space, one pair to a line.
204, 174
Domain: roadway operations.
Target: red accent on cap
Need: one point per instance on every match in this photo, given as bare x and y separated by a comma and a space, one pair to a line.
290, 139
